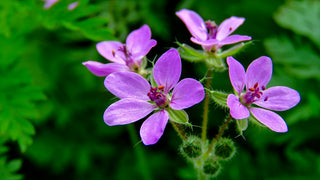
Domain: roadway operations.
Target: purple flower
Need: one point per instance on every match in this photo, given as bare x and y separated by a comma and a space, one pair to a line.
73, 5
278, 98
138, 98
125, 57
49, 3
209, 35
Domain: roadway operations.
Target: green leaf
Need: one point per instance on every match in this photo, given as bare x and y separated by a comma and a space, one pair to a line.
8, 169
219, 97
191, 54
14, 165
299, 60
178, 116
302, 17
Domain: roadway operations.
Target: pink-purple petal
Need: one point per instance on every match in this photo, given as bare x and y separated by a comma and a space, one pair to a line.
167, 69
110, 51
279, 98
143, 51
128, 85
209, 42
234, 39
237, 74
126, 111
194, 23
100, 69
270, 119
186, 93
259, 71
153, 128
237, 110
139, 42
228, 26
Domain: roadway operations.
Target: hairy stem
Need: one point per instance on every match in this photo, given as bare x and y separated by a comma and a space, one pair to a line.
214, 140
206, 107
179, 130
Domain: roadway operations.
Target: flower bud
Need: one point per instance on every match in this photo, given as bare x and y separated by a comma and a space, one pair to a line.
211, 167
224, 148
192, 148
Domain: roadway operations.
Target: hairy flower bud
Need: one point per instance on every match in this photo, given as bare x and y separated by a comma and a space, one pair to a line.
211, 167
224, 149
192, 148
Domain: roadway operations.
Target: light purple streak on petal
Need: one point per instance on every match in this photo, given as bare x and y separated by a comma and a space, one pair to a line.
237, 110
110, 51
186, 93
210, 42
279, 98
153, 128
126, 111
100, 69
270, 119
73, 5
128, 85
234, 39
139, 42
194, 23
237, 74
260, 70
49, 3
167, 70
228, 26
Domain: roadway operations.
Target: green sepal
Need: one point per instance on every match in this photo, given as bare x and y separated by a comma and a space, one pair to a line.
242, 124
152, 81
233, 50
178, 116
191, 54
144, 63
219, 97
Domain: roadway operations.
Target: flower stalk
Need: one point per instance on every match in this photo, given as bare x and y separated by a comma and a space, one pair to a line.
220, 133
182, 134
206, 107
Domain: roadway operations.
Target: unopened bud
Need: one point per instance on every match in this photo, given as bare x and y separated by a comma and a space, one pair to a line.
192, 148
211, 167
224, 148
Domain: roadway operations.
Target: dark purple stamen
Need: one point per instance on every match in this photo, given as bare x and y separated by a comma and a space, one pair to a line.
156, 95
253, 94
212, 27
127, 57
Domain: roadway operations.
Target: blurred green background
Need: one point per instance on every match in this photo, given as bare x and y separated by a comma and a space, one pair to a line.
51, 106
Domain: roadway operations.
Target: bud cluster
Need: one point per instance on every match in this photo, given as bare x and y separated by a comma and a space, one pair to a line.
205, 159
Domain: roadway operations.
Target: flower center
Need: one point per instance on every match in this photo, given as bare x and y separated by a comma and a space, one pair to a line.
253, 94
212, 28
127, 57
156, 95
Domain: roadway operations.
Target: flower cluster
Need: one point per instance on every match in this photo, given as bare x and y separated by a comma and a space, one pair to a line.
142, 91
157, 95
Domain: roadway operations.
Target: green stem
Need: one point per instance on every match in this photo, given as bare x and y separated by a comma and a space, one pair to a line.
179, 130
206, 107
214, 140
142, 161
